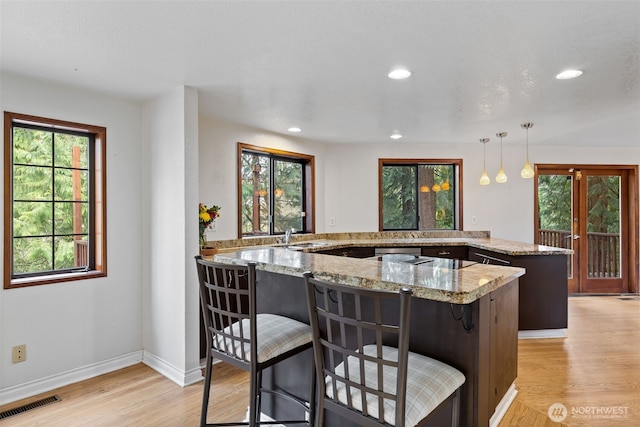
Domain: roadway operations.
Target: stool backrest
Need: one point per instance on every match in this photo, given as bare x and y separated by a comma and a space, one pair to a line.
345, 320
227, 297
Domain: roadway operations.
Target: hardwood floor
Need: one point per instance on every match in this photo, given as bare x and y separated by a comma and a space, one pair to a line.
596, 368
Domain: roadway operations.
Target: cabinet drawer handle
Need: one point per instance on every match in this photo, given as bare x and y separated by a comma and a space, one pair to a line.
444, 253
486, 259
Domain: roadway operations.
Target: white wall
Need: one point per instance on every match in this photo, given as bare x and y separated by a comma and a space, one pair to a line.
218, 169
347, 185
78, 329
506, 210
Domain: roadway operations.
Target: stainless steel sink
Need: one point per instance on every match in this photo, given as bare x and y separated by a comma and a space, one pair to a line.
303, 245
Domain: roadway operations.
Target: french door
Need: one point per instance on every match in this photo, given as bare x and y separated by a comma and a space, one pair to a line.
590, 209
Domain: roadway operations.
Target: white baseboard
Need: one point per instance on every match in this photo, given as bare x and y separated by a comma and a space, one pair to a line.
176, 375
43, 385
503, 406
543, 333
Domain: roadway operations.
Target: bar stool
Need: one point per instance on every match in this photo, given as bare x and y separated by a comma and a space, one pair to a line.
366, 372
238, 335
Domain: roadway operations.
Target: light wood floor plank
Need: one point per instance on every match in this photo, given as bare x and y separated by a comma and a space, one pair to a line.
597, 365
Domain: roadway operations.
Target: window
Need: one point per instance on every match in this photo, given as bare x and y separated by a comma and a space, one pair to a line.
54, 201
275, 191
420, 194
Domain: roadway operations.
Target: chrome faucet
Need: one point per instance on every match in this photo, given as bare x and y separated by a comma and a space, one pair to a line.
287, 236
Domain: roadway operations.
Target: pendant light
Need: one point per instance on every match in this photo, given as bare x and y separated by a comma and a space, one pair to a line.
484, 179
527, 172
501, 177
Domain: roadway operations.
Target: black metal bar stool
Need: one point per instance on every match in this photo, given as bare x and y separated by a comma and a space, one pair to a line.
366, 372
238, 335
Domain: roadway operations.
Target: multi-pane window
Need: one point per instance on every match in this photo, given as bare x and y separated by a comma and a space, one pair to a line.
275, 191
54, 222
420, 194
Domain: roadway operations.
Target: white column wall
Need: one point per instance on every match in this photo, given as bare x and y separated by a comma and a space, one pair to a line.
170, 337
76, 330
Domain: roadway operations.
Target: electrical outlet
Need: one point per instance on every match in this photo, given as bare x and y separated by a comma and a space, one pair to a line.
332, 222
19, 353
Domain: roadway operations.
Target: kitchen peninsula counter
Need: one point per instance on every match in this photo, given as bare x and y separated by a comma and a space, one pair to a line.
543, 293
470, 239
464, 313
438, 280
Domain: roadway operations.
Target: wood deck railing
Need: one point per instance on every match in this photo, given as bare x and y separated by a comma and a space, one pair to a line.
603, 258
80, 253
604, 255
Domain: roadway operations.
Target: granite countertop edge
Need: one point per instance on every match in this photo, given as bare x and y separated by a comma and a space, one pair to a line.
478, 240
461, 286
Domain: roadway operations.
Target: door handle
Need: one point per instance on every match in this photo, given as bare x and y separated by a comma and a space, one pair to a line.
576, 236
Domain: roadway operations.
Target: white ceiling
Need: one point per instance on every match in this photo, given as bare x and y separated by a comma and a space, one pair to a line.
478, 67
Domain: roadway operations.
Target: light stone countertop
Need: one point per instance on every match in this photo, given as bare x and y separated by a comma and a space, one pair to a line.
434, 280
475, 239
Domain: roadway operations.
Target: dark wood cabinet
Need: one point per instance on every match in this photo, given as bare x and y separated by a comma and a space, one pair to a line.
503, 366
352, 252
467, 337
543, 295
454, 252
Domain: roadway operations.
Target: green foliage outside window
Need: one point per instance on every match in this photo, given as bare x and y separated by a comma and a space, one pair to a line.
49, 193
603, 206
419, 196
399, 197
554, 200
272, 187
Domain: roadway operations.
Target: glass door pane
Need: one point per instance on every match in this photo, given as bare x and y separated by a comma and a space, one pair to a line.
603, 226
555, 213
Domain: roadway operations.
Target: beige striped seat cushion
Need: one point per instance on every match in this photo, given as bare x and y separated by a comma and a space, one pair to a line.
429, 383
276, 335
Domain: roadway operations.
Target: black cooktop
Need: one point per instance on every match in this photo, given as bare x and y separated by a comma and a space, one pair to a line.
453, 264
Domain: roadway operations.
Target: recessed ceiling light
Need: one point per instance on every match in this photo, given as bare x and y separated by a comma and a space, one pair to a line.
399, 74
569, 74
396, 135
294, 129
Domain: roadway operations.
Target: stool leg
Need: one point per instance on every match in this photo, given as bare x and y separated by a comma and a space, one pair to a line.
206, 391
312, 398
455, 409
254, 401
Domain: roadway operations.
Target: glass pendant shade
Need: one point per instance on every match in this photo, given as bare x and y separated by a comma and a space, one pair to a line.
527, 171
501, 178
484, 179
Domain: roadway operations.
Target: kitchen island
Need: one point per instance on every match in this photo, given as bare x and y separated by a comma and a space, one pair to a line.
543, 293
464, 314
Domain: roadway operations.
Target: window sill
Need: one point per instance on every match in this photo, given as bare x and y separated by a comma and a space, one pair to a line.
53, 278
